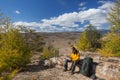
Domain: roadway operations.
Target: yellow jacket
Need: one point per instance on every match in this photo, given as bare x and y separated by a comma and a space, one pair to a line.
75, 57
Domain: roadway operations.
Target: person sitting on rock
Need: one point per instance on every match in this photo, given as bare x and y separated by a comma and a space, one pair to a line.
74, 58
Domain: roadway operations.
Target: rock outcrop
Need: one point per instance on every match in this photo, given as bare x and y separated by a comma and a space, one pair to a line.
52, 69
108, 69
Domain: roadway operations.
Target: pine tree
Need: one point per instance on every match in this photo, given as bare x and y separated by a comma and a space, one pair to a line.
114, 17
111, 43
14, 52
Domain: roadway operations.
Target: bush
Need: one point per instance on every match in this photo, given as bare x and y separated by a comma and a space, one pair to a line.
110, 45
111, 42
14, 53
83, 43
89, 40
48, 52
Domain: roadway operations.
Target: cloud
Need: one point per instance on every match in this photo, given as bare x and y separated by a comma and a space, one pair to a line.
82, 9
72, 21
17, 12
94, 16
27, 23
82, 4
106, 5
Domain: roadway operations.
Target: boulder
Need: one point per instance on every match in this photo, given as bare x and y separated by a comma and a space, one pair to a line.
108, 71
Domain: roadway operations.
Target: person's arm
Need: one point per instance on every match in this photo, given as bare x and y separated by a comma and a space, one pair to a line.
71, 56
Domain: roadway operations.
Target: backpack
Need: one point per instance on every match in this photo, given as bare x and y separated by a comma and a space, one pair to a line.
87, 66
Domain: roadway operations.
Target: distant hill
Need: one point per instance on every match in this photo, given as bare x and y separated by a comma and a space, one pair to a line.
63, 39
60, 39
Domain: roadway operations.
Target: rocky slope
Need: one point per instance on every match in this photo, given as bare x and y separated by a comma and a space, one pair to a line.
52, 69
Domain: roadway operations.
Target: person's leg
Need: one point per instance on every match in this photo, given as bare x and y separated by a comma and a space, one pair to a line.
66, 64
73, 67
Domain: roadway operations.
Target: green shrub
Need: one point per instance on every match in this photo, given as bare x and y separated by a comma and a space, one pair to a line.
48, 52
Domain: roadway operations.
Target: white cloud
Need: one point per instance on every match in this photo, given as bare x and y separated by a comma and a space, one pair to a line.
69, 21
82, 4
27, 23
17, 12
66, 20
82, 9
106, 5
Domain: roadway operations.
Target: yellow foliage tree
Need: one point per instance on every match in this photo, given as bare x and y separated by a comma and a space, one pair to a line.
83, 43
111, 42
14, 52
111, 45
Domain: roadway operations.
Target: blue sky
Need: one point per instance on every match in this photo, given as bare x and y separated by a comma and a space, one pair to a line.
57, 15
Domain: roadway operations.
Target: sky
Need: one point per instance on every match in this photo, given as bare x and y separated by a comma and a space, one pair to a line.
57, 15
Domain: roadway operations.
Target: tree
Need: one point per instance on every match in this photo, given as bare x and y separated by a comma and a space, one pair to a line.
83, 43
114, 17
110, 45
89, 38
14, 52
16, 47
93, 36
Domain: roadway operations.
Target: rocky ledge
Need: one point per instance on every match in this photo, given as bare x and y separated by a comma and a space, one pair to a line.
52, 69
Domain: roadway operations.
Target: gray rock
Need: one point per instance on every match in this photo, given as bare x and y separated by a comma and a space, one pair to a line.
108, 71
